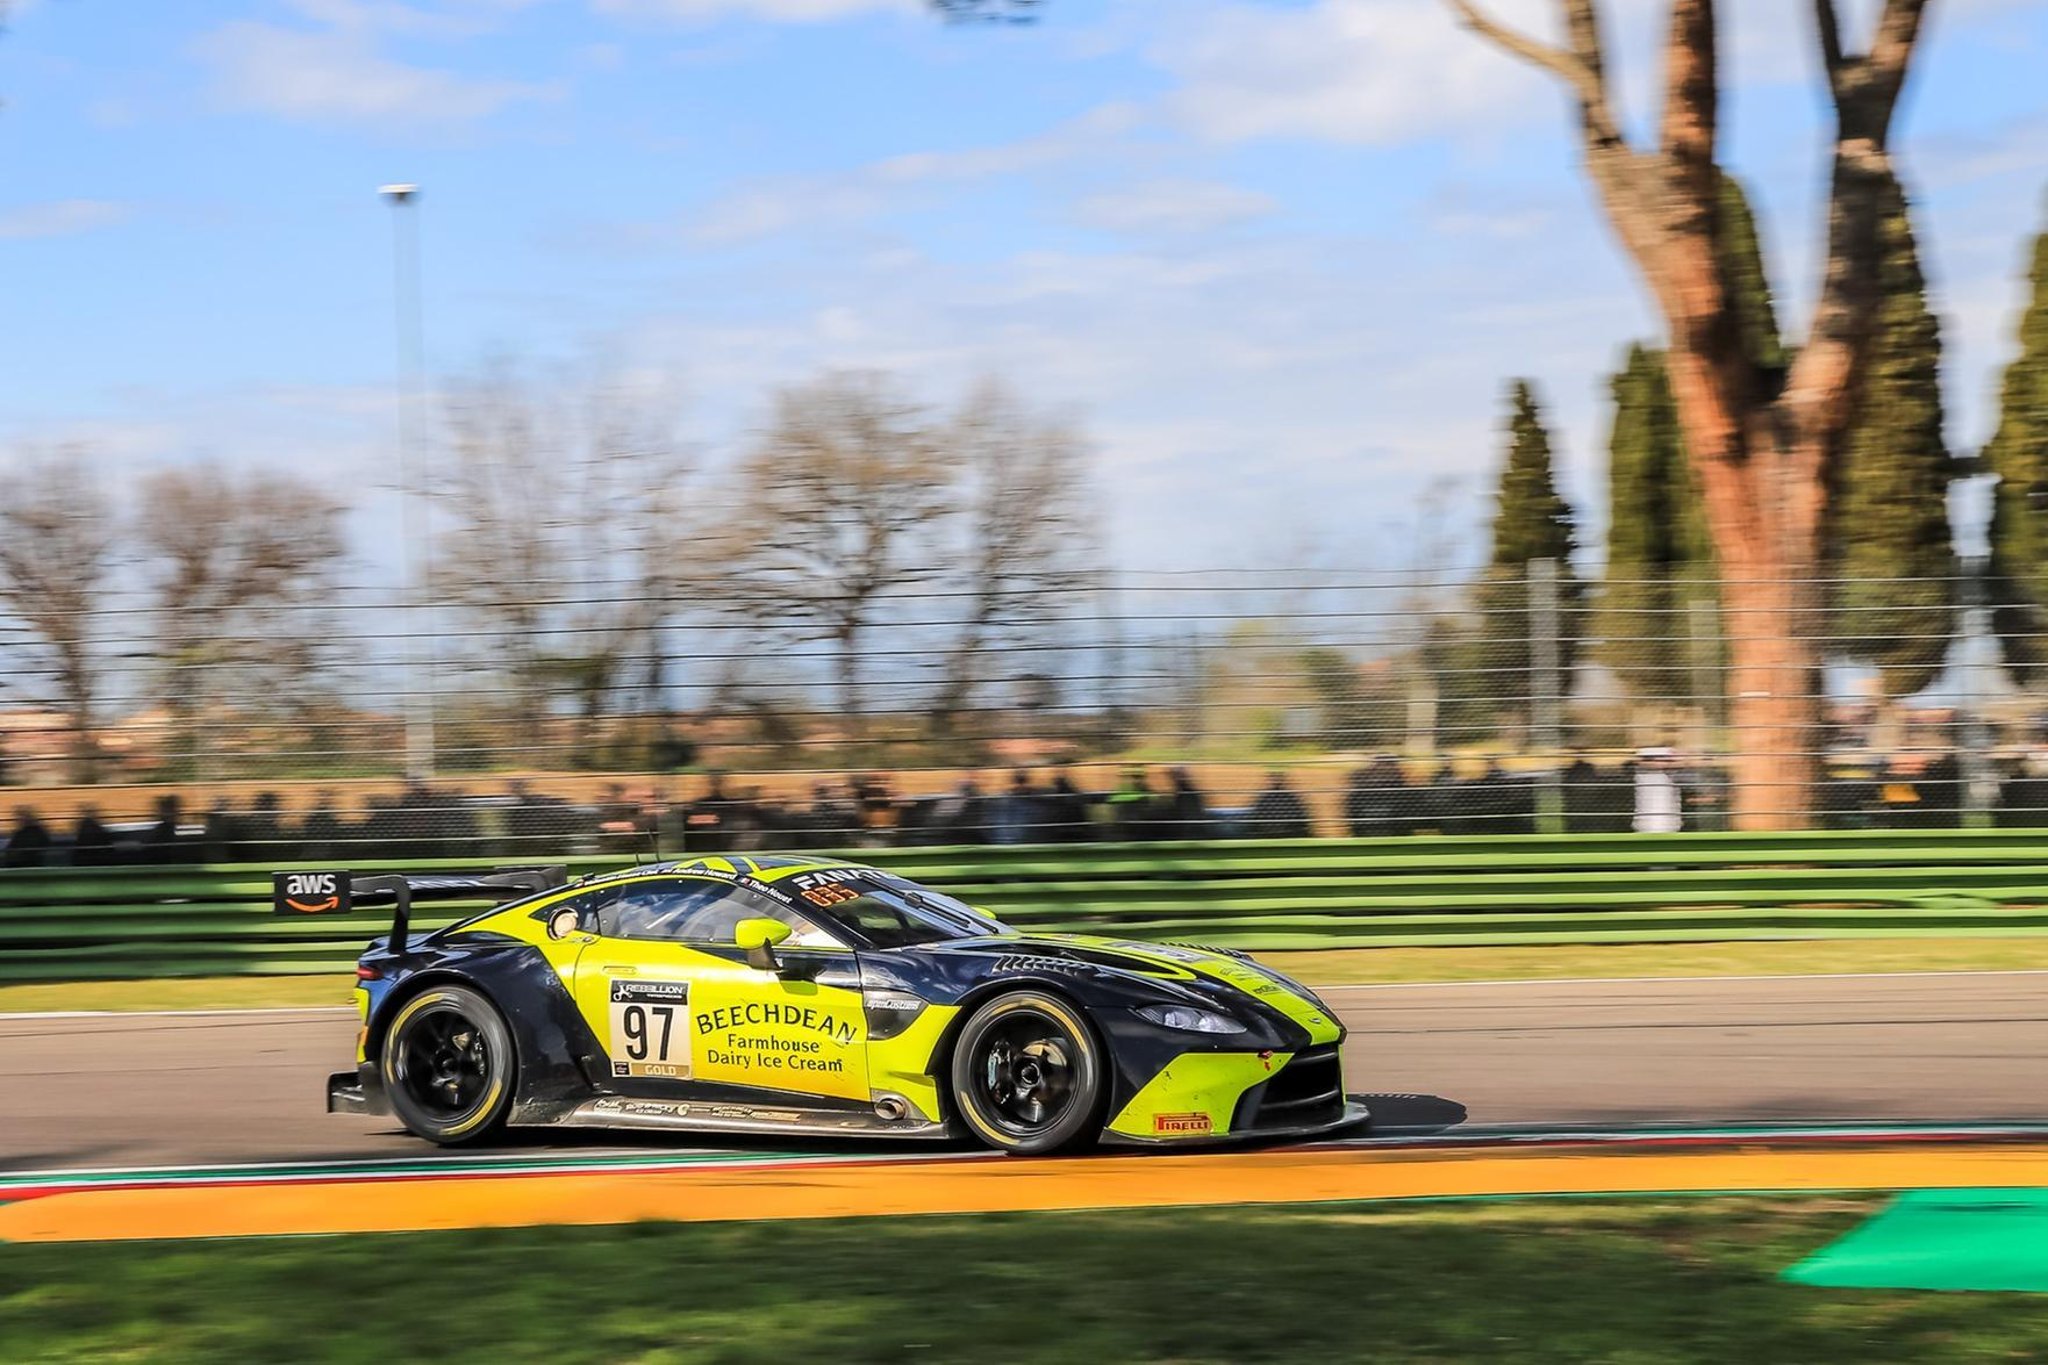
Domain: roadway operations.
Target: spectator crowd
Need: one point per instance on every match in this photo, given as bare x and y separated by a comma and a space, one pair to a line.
1654, 793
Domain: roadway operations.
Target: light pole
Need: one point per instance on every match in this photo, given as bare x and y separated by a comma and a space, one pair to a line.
418, 561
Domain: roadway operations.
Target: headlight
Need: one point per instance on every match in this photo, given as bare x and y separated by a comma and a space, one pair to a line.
1188, 1019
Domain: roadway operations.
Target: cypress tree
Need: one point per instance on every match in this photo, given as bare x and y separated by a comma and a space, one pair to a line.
1742, 266
1658, 558
2018, 455
1531, 522
1889, 552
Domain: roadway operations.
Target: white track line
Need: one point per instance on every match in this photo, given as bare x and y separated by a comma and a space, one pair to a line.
178, 1014
427, 1168
273, 1010
1667, 980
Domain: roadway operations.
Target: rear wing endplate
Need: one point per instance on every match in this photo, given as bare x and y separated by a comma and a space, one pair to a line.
337, 893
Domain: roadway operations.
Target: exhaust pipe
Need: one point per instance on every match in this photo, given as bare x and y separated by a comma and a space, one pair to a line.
892, 1109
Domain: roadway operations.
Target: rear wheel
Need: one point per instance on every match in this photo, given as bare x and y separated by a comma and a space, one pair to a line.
448, 1066
1028, 1075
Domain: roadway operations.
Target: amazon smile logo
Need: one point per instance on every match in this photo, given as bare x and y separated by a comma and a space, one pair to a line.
310, 893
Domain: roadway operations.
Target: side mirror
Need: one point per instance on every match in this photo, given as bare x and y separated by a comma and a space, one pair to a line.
564, 922
759, 937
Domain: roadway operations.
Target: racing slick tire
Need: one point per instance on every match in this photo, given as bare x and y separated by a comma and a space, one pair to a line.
448, 1066
1028, 1075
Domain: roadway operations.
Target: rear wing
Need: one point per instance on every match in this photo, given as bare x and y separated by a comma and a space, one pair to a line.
337, 893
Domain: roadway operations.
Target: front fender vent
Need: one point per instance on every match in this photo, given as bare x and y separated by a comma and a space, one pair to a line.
1237, 953
1018, 963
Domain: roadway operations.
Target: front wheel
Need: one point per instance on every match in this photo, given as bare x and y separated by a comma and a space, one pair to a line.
1028, 1075
448, 1065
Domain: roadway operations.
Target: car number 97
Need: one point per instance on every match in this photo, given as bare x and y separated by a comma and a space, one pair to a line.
650, 1029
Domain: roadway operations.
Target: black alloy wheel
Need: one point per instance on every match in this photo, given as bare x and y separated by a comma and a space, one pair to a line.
448, 1065
1027, 1074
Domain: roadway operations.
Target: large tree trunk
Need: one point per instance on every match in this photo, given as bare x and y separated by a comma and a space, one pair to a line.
1774, 703
1761, 443
1764, 514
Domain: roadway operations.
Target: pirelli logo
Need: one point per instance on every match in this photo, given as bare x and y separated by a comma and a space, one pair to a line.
1181, 1123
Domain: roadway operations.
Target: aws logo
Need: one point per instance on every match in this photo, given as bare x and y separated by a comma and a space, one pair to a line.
310, 893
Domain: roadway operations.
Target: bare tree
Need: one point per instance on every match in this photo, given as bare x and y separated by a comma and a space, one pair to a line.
1026, 539
566, 549
58, 530
1762, 442
844, 497
239, 567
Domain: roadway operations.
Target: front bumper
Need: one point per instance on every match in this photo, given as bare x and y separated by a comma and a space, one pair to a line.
1239, 1096
357, 1092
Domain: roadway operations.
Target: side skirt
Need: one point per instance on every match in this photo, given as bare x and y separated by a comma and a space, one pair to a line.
616, 1111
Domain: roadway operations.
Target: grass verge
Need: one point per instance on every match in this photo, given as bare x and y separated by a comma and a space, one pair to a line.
1584, 1280
1333, 967
1369, 966
180, 993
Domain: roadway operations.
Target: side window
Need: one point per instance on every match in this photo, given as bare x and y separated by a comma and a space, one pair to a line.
667, 910
687, 911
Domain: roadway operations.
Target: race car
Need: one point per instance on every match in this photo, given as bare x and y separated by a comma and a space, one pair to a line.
800, 995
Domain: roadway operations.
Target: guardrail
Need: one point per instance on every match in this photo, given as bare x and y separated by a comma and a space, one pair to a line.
79, 924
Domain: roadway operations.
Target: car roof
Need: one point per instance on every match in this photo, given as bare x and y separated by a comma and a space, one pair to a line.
767, 867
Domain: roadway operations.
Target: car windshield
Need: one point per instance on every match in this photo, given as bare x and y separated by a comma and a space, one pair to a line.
899, 914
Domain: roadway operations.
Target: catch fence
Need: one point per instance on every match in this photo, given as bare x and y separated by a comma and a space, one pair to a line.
1196, 705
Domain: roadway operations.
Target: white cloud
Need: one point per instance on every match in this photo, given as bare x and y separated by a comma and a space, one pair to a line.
1062, 142
386, 16
337, 74
768, 206
1173, 206
773, 11
1467, 208
1375, 72
59, 218
757, 211
1386, 72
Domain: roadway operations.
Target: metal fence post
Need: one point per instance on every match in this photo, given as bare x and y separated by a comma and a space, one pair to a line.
1546, 689
1980, 781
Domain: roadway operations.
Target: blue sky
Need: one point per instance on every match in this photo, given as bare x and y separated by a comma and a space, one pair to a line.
1280, 256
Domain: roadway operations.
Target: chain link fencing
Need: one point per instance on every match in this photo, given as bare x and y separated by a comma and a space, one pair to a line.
1136, 707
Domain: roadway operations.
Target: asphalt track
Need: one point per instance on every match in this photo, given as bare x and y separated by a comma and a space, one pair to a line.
86, 1091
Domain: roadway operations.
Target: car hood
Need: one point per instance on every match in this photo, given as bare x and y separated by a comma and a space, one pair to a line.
1173, 962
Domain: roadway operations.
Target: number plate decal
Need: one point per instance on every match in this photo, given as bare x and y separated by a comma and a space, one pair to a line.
650, 1029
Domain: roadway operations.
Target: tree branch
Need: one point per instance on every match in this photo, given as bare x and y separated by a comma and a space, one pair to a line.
1573, 67
1582, 29
1830, 28
1582, 26
1691, 96
1821, 387
1891, 52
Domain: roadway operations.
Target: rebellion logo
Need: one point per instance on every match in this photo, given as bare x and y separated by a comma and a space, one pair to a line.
1181, 1123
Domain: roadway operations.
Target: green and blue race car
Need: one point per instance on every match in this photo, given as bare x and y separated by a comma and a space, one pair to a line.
786, 994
